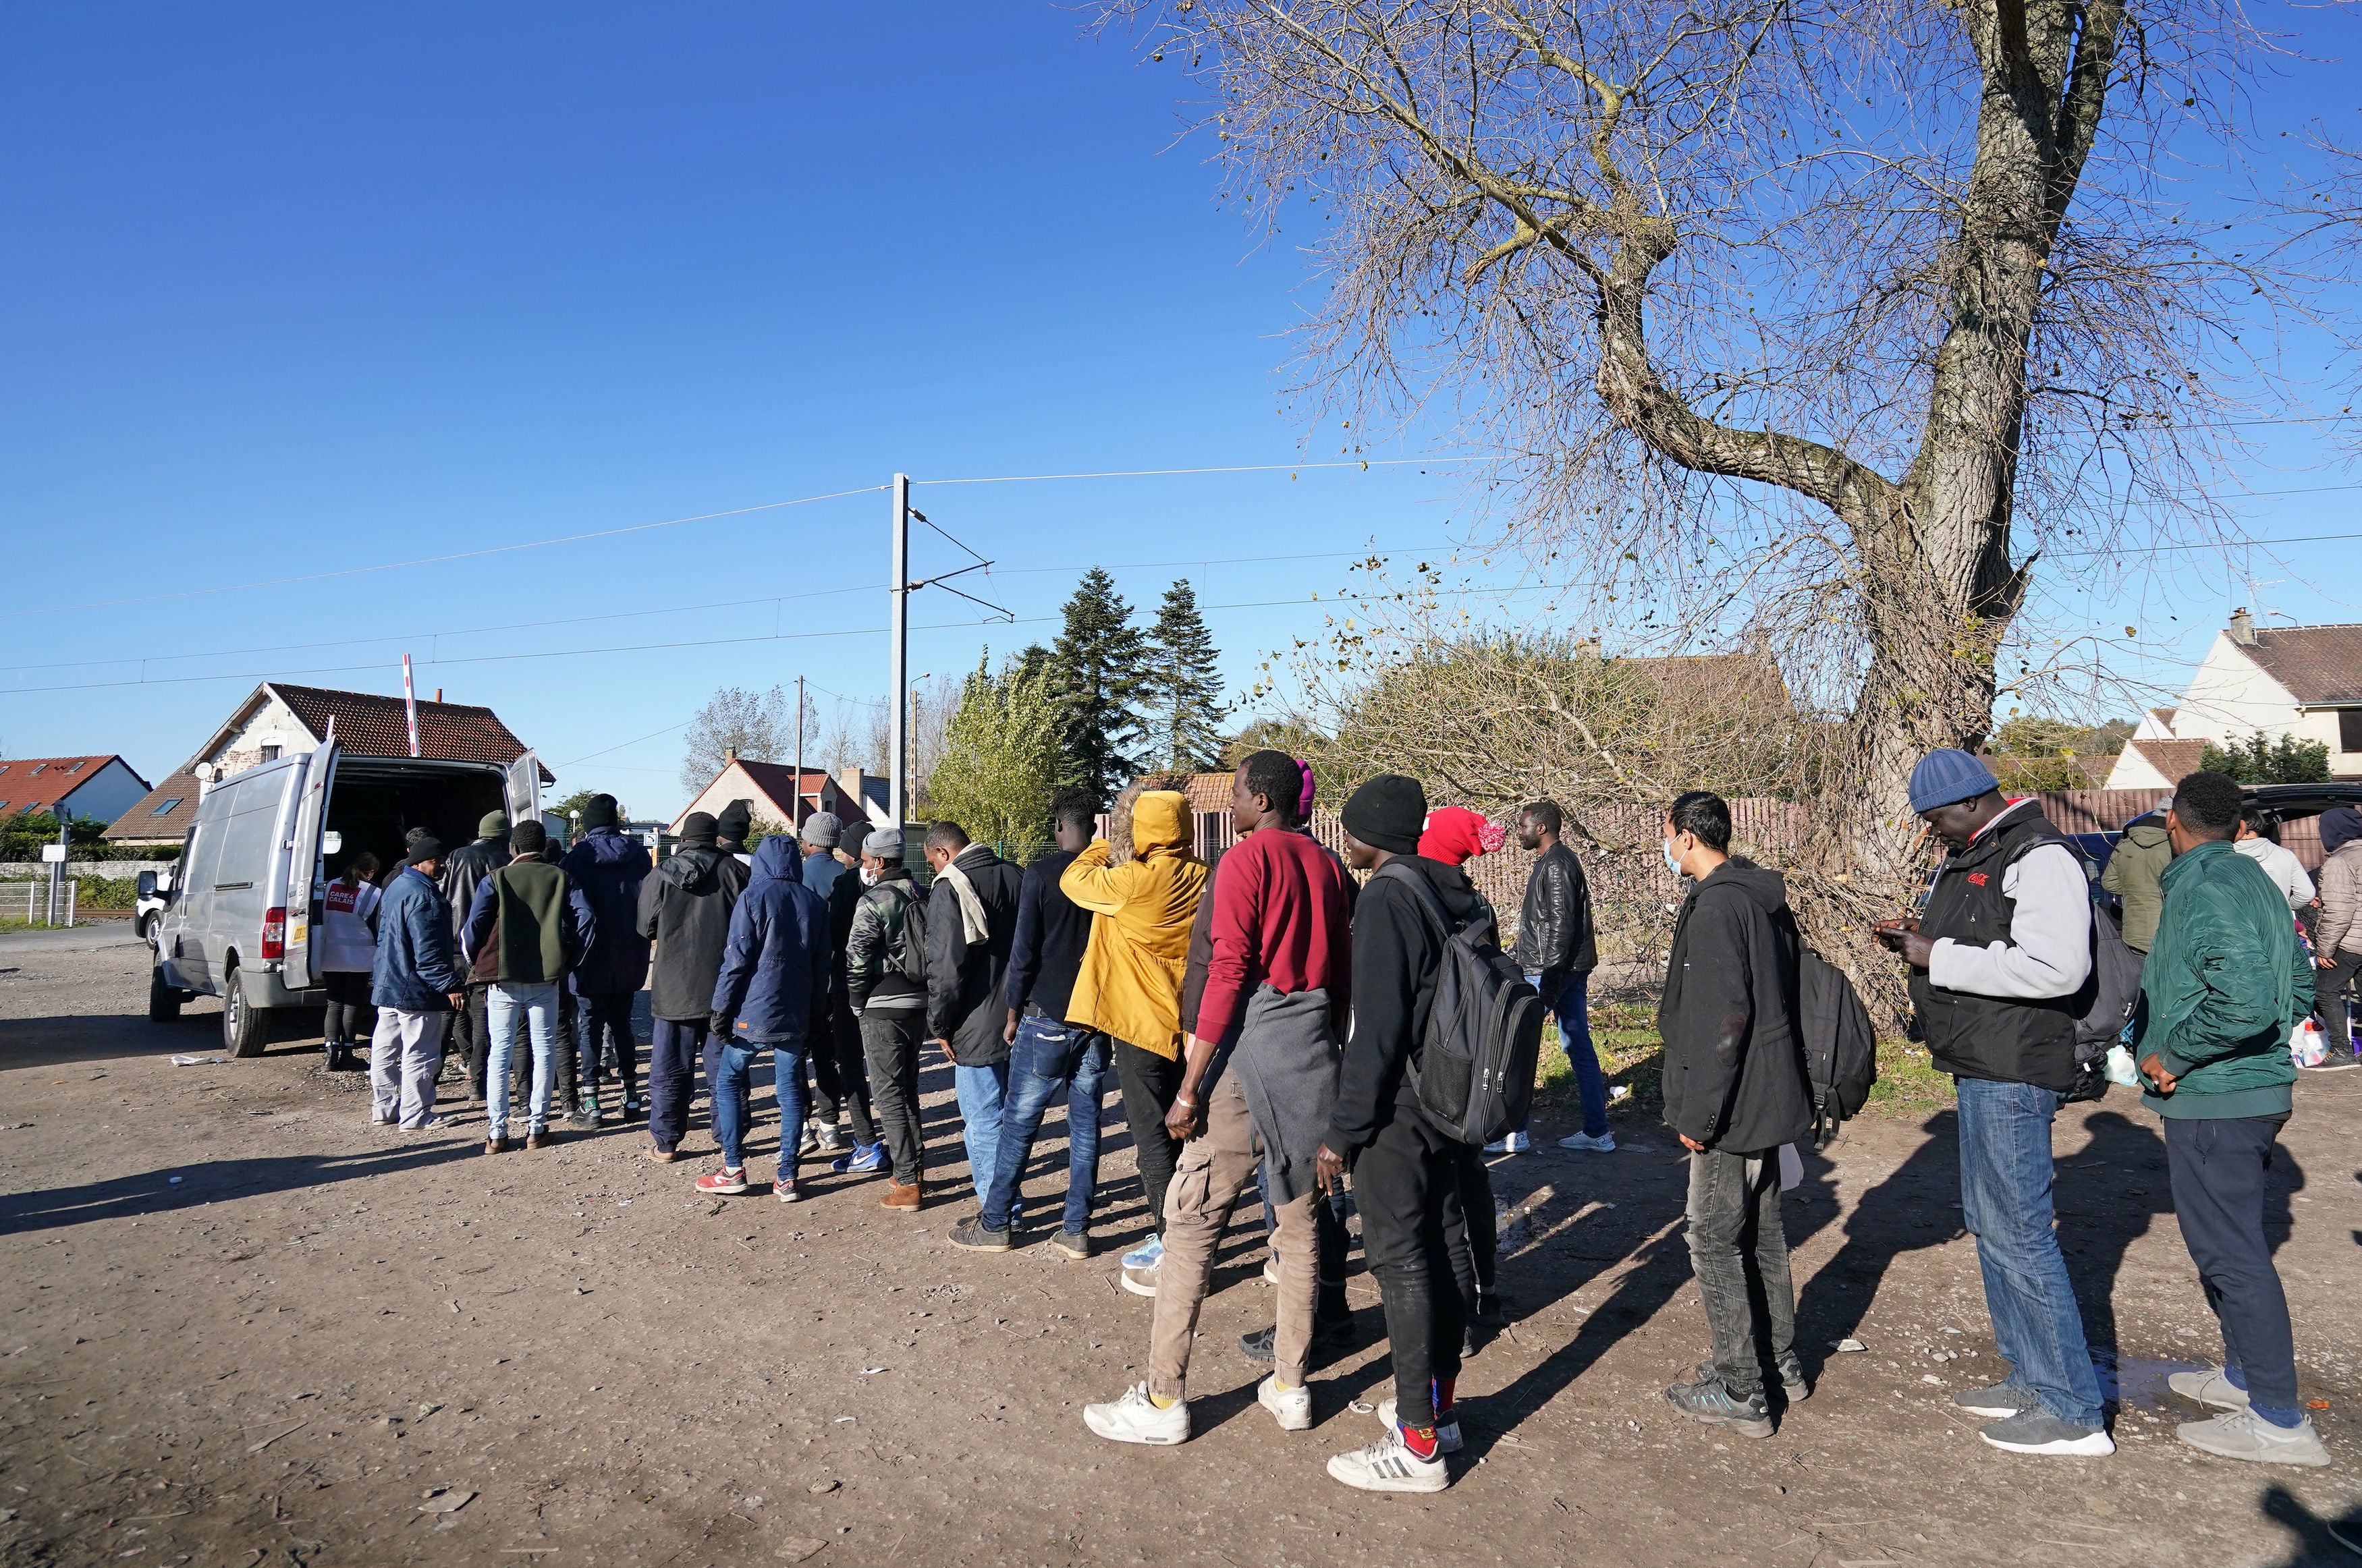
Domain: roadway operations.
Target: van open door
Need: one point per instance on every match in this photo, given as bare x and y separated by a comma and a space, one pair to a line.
307, 878
523, 789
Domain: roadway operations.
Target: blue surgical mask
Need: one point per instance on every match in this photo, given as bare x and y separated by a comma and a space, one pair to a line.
1672, 861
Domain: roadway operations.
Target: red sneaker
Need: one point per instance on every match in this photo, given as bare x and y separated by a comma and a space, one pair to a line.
727, 1182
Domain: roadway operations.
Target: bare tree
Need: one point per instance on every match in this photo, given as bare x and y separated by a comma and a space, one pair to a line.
933, 700
734, 722
1797, 325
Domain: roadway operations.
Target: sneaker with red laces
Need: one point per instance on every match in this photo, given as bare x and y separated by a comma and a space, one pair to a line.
785, 1190
727, 1182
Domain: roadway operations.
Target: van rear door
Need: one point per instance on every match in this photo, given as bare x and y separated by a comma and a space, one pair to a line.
523, 789
308, 881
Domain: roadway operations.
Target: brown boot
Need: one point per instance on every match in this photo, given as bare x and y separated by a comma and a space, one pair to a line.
541, 1139
496, 1145
661, 1156
900, 1196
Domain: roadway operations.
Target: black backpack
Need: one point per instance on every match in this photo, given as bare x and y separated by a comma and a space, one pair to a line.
1473, 1072
1840, 1047
2115, 982
911, 956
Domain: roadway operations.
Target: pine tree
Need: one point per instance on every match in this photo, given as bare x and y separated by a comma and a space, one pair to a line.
1096, 670
1184, 690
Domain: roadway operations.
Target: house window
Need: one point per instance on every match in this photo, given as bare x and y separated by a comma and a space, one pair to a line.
37, 768
73, 767
270, 753
165, 810
2349, 729
4, 805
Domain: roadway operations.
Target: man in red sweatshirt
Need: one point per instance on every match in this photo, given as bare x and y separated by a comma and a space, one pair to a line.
1277, 985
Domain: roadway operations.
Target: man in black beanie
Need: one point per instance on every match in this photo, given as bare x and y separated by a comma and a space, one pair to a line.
609, 867
730, 830
1404, 1166
469, 865
685, 910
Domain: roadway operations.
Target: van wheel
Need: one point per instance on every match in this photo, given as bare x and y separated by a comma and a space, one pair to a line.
163, 1001
245, 1028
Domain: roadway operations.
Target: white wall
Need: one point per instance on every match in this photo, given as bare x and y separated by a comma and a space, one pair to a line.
272, 724
2231, 698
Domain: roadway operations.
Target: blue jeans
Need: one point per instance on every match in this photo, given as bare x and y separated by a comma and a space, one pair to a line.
2005, 1174
1572, 1007
506, 1006
1046, 1057
728, 1063
980, 1092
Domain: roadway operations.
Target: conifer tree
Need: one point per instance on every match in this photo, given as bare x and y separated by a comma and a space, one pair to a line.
1183, 688
1096, 670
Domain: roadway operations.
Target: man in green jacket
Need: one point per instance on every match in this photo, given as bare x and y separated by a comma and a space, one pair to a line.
2140, 858
2226, 979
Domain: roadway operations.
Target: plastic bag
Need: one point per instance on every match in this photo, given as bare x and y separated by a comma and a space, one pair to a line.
2309, 1044
2122, 1068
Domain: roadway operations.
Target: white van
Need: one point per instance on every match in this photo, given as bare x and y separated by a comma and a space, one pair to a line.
250, 890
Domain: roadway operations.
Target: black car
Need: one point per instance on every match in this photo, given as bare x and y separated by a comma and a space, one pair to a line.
2290, 802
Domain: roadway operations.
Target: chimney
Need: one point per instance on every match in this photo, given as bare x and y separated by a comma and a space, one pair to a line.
729, 756
439, 694
2243, 628
849, 781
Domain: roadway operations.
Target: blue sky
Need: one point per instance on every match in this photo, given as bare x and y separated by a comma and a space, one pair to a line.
288, 291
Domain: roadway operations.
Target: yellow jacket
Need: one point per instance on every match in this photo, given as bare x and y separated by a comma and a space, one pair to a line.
1130, 983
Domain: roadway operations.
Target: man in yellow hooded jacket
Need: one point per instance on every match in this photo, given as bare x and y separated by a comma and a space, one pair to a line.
1130, 983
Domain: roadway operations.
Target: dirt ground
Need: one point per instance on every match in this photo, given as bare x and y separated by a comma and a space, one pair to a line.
243, 1327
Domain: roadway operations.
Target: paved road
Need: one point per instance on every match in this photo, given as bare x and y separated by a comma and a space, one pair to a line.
71, 939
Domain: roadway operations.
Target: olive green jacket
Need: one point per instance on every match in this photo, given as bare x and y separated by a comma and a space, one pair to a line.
2140, 858
2225, 983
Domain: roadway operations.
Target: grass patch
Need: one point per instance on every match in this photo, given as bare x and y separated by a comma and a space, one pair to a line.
1632, 1054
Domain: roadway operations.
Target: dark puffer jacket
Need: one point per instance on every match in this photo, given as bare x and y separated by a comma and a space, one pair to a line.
1734, 1074
685, 909
965, 979
417, 965
468, 865
609, 867
774, 979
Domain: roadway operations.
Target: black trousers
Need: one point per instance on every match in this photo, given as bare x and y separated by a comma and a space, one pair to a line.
598, 1021
1403, 1183
2218, 1167
1469, 1231
2328, 996
841, 1043
350, 1020
672, 1076
1150, 1082
890, 1040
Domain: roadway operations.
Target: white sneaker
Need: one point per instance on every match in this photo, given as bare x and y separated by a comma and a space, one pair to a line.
1387, 1466
2209, 1387
1603, 1144
1447, 1433
2242, 1434
1292, 1407
1135, 1418
1518, 1143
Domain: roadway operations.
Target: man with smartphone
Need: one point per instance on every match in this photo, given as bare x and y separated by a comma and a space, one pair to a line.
2001, 970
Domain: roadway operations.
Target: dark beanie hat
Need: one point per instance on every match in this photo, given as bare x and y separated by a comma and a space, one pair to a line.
528, 838
697, 828
424, 848
735, 819
491, 824
599, 810
2340, 826
1388, 813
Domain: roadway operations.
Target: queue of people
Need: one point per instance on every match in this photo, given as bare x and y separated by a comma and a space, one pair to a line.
1265, 1027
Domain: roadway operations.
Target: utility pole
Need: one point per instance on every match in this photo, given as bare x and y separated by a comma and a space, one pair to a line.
897, 678
797, 809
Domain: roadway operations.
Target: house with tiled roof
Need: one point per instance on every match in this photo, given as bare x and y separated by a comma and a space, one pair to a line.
778, 797
97, 788
278, 718
2304, 681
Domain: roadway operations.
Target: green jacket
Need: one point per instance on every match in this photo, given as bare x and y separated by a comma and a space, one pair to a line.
2140, 858
2225, 983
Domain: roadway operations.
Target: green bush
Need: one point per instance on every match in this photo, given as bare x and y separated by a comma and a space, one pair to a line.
2285, 761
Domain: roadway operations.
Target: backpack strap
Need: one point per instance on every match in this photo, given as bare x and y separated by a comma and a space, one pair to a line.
1424, 894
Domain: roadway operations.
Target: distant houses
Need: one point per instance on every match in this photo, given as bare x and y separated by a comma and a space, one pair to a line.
779, 796
2304, 681
98, 787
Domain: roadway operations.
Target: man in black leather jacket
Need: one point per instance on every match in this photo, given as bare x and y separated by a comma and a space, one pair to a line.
1558, 948
468, 866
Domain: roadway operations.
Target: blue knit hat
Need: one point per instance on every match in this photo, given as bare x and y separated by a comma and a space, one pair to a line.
1947, 776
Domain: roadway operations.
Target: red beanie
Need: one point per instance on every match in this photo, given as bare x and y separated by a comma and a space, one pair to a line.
1454, 834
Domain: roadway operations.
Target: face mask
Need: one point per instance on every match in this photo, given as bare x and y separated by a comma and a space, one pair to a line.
867, 877
1672, 861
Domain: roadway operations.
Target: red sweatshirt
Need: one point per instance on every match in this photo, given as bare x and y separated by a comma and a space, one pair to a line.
1282, 913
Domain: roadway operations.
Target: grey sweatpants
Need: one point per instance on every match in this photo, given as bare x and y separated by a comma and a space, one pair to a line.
405, 1054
